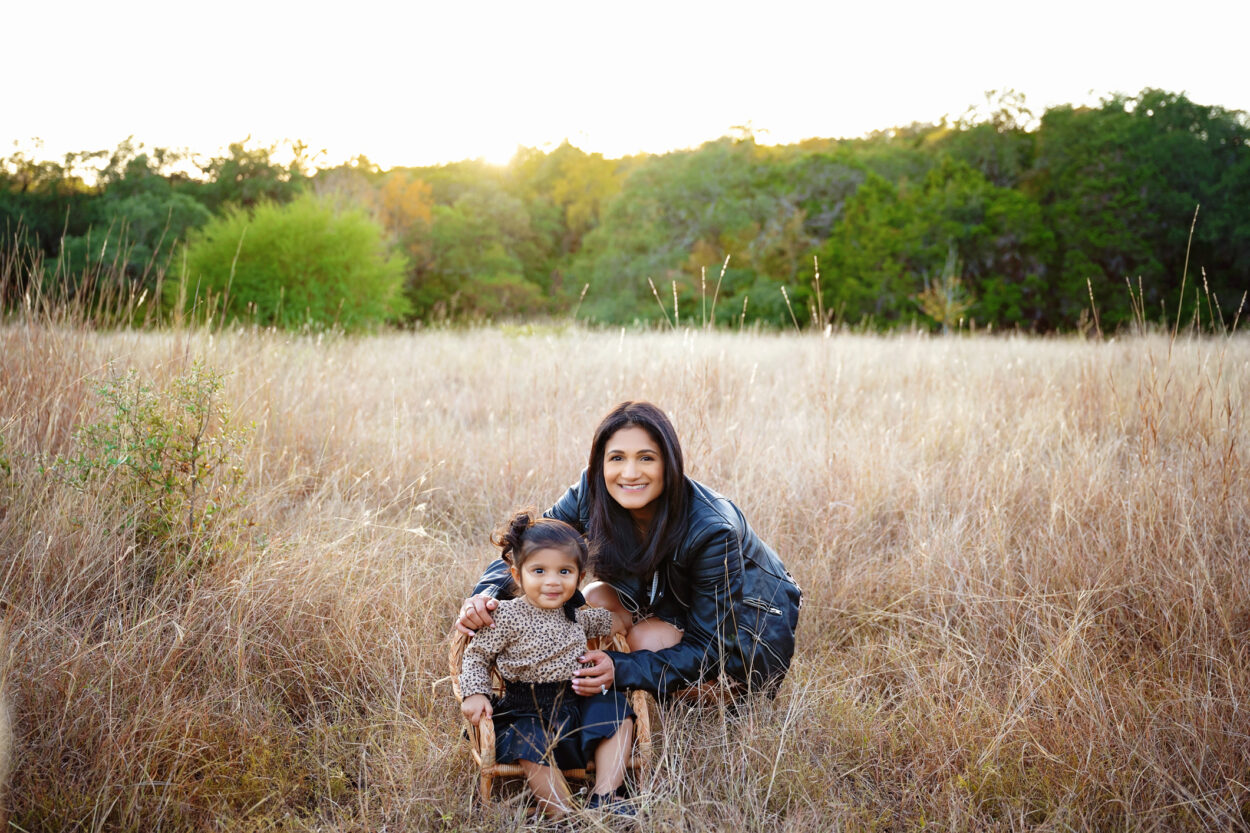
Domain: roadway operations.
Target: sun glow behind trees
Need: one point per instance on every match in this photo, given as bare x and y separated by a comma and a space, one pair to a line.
431, 83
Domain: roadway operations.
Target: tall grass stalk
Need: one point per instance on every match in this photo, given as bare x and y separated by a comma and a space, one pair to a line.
580, 298
703, 295
1180, 301
656, 295
794, 320
716, 293
822, 322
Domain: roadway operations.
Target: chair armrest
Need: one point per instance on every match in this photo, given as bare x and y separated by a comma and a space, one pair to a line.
486, 741
455, 654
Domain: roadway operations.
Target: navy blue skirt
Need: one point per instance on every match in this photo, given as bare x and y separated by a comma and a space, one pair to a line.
541, 722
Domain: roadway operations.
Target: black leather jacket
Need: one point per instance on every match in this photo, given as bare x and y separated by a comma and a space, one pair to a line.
724, 587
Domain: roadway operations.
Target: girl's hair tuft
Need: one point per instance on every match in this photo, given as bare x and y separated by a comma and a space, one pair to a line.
527, 532
510, 538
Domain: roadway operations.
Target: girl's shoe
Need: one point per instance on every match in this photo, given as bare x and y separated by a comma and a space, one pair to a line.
610, 803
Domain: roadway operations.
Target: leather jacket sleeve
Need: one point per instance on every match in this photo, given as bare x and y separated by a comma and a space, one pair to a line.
572, 507
496, 581
715, 576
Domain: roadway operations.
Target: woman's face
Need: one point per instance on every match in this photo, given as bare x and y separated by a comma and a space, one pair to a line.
633, 472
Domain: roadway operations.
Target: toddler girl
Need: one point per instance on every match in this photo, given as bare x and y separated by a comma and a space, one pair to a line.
535, 641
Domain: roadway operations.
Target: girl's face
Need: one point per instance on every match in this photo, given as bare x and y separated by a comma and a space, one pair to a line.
633, 472
548, 578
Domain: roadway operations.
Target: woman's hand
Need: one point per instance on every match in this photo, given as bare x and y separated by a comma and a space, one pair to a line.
475, 614
475, 707
596, 679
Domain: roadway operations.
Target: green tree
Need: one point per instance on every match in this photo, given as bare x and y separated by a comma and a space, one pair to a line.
996, 138
1120, 183
902, 248
137, 221
579, 184
40, 200
677, 215
246, 176
474, 265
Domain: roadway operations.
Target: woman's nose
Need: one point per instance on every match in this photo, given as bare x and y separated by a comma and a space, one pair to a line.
630, 468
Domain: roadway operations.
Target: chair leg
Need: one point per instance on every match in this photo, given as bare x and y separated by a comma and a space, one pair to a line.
483, 788
642, 751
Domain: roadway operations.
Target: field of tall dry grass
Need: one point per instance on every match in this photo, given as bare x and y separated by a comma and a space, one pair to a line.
226, 578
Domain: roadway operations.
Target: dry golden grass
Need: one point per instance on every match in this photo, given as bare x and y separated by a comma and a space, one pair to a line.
1025, 566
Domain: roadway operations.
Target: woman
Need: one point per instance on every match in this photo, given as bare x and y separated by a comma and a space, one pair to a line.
707, 599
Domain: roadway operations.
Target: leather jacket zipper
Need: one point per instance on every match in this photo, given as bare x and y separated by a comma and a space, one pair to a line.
760, 604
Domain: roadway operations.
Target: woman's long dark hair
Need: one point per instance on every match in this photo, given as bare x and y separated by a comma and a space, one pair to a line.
617, 550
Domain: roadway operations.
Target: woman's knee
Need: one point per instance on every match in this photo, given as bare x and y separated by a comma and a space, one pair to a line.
652, 635
599, 594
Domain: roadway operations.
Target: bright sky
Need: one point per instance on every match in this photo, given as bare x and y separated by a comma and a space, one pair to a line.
419, 83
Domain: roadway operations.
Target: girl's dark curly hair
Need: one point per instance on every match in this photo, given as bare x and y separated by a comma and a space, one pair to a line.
528, 531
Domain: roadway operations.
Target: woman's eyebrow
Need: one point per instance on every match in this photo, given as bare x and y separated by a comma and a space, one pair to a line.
640, 451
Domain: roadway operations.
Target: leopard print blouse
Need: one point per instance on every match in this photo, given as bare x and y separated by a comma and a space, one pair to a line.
529, 644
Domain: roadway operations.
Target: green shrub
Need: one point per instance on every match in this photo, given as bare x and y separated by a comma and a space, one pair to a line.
296, 265
164, 464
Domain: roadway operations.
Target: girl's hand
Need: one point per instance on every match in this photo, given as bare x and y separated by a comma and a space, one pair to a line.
596, 679
475, 614
475, 707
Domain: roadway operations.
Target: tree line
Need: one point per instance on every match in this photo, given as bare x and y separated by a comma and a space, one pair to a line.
1138, 208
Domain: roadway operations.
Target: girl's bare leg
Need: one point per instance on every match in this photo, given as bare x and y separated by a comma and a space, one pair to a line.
547, 782
611, 756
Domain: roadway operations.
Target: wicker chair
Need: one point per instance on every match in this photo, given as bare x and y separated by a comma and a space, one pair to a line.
482, 736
